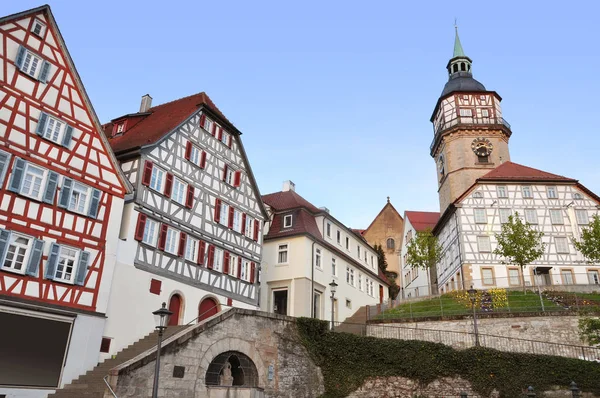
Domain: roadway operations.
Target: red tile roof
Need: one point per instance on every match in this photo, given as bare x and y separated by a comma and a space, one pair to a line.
422, 220
149, 127
517, 172
303, 222
289, 200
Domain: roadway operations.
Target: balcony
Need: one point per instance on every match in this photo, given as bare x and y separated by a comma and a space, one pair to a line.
466, 121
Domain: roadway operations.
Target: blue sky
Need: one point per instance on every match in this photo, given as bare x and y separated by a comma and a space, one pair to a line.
337, 95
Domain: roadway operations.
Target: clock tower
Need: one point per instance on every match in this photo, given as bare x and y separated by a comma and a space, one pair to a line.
470, 136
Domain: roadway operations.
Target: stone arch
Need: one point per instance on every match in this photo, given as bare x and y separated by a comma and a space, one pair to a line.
202, 311
230, 344
242, 371
177, 319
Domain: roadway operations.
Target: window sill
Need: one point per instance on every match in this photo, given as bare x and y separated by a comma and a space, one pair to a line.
12, 271
282, 264
62, 282
34, 79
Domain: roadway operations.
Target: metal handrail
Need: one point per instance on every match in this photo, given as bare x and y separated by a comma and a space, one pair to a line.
109, 387
467, 120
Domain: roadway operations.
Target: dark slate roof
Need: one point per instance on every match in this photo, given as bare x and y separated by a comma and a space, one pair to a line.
462, 81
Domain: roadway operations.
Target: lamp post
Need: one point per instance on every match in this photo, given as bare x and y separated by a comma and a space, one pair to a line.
473, 297
333, 286
161, 316
531, 392
574, 390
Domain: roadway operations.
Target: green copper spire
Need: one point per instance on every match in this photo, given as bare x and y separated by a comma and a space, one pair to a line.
458, 50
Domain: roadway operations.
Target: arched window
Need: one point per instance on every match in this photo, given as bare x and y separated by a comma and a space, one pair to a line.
463, 67
454, 68
391, 244
232, 368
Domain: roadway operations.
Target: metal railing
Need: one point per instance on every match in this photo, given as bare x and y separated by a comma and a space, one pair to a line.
467, 120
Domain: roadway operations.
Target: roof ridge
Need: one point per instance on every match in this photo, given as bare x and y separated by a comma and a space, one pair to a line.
509, 163
178, 99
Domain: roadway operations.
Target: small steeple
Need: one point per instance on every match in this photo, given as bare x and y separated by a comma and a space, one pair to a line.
458, 50
459, 64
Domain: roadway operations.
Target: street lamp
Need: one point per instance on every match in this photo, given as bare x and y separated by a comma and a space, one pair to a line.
531, 392
333, 286
574, 390
161, 316
473, 297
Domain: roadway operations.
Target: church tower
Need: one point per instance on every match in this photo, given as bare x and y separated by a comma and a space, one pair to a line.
470, 135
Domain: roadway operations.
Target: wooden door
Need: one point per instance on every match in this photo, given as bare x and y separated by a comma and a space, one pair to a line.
380, 294
175, 308
208, 307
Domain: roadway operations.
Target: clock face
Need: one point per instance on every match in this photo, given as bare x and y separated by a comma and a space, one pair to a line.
482, 146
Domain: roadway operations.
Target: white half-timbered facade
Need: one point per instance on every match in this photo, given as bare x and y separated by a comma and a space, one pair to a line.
61, 199
557, 206
191, 235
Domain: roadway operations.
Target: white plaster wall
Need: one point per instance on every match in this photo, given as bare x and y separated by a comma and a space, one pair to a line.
420, 285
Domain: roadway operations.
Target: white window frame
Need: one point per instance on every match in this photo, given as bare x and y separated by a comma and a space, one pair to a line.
245, 275
26, 253
348, 303
334, 267
195, 155
191, 249
562, 245
526, 191
582, 216
61, 256
338, 236
485, 278
283, 251
207, 124
504, 214
466, 112
577, 196
77, 190
287, 220
54, 129
511, 281
328, 229
249, 228
237, 220
179, 191
477, 195
233, 264
480, 215
157, 179
531, 216
502, 191
224, 215
348, 274
218, 260
32, 64
347, 243
485, 113
172, 240
151, 232
484, 244
360, 282
229, 175
42, 184
556, 217
352, 277
224, 137
552, 192
593, 276
318, 259
567, 274
42, 26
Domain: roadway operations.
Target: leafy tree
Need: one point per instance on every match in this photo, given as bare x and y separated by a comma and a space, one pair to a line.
390, 275
519, 244
589, 245
589, 330
424, 252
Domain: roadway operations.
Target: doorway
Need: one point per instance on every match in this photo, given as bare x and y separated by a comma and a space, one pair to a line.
380, 294
207, 308
542, 276
280, 298
175, 308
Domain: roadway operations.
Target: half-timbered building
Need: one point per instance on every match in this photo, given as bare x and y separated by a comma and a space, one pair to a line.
306, 249
61, 200
191, 234
479, 188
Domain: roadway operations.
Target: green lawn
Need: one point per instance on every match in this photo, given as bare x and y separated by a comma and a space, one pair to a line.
447, 305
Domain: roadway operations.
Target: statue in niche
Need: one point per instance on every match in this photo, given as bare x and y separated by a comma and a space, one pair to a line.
226, 377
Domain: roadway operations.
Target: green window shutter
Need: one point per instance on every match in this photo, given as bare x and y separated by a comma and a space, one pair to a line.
65, 192
43, 120
51, 187
17, 175
66, 141
20, 57
95, 204
84, 258
52, 261
4, 161
37, 250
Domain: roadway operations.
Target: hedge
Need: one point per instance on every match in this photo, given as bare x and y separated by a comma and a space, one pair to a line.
348, 360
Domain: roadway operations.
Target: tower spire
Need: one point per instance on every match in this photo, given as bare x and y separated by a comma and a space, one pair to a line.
458, 50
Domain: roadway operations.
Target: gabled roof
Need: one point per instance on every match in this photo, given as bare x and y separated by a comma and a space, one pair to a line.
287, 200
388, 205
509, 171
149, 127
422, 220
86, 99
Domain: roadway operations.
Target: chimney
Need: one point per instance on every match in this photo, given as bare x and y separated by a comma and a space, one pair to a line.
325, 209
289, 186
146, 103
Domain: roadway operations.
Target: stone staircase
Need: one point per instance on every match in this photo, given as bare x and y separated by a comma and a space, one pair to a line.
356, 324
92, 384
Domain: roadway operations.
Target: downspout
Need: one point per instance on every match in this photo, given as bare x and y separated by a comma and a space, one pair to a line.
312, 281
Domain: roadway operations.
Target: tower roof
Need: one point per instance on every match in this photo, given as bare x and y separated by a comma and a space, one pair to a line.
459, 70
458, 50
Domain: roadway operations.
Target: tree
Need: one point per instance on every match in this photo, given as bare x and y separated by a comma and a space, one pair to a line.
589, 331
424, 252
390, 275
589, 245
519, 244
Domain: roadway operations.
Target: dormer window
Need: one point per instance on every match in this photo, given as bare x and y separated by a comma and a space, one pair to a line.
478, 194
38, 28
287, 221
120, 127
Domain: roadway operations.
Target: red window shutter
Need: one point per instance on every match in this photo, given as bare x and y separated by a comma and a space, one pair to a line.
162, 238
217, 209
188, 150
252, 271
225, 172
202, 120
147, 173
243, 224
214, 129
237, 177
239, 270
229, 302
211, 257
230, 141
105, 345
226, 263
141, 225
256, 226
155, 286
220, 135
189, 200
203, 159
115, 127
168, 185
182, 240
201, 250
125, 125
230, 219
